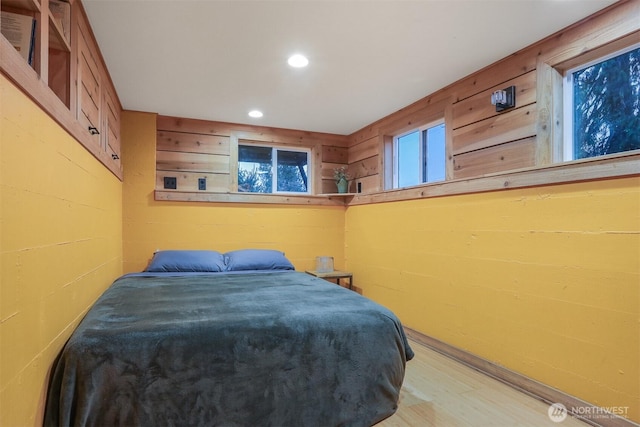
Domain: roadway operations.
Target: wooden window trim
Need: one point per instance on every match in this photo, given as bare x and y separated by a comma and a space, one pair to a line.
309, 150
392, 151
561, 70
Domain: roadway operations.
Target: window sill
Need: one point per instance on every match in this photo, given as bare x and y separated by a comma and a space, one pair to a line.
613, 166
338, 194
276, 199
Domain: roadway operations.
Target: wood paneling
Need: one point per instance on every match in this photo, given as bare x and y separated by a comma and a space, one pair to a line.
605, 27
485, 141
419, 115
188, 181
327, 170
254, 133
192, 143
472, 122
364, 150
190, 149
579, 170
497, 74
368, 184
420, 112
478, 107
513, 125
191, 162
366, 167
333, 154
499, 158
329, 186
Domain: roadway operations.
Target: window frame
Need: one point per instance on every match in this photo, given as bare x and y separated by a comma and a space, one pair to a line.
423, 153
565, 153
274, 167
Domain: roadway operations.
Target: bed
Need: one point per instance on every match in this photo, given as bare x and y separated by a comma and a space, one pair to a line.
252, 343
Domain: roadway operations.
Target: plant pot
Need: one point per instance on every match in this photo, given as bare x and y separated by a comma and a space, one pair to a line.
343, 185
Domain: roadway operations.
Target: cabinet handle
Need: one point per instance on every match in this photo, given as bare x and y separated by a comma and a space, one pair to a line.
94, 130
115, 157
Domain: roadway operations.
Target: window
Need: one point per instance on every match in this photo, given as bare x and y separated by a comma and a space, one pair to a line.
272, 170
419, 156
602, 106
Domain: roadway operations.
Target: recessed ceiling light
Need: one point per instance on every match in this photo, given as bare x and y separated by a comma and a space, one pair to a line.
298, 61
255, 114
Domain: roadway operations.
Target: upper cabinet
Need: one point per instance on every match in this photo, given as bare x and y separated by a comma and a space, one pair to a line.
111, 124
88, 84
49, 50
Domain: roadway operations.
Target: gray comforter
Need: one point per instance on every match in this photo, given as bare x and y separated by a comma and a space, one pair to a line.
256, 349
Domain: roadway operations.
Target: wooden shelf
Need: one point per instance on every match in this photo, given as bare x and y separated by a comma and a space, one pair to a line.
57, 40
259, 198
31, 5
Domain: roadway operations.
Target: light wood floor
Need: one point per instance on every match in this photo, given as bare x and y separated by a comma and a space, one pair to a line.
439, 391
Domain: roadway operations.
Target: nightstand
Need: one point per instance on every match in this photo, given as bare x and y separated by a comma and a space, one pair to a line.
335, 274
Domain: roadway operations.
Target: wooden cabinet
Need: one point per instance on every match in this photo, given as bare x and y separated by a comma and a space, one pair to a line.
97, 105
111, 124
88, 85
67, 76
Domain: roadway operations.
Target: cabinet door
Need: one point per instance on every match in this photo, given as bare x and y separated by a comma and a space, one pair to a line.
111, 125
89, 86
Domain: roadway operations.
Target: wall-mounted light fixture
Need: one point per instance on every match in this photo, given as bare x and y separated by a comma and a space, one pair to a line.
504, 99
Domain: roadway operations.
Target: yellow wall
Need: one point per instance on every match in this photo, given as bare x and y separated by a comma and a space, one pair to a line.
302, 232
544, 281
60, 247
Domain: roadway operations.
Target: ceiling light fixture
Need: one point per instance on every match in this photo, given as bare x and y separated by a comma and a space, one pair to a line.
255, 114
298, 61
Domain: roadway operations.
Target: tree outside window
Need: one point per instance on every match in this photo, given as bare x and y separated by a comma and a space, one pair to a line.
263, 169
604, 106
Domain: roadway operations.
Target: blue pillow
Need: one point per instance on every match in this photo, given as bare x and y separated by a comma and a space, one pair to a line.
181, 261
257, 259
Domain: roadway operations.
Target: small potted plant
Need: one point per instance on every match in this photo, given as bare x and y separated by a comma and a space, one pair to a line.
341, 175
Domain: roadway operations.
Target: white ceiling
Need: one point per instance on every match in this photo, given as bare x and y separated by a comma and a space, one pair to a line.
216, 60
